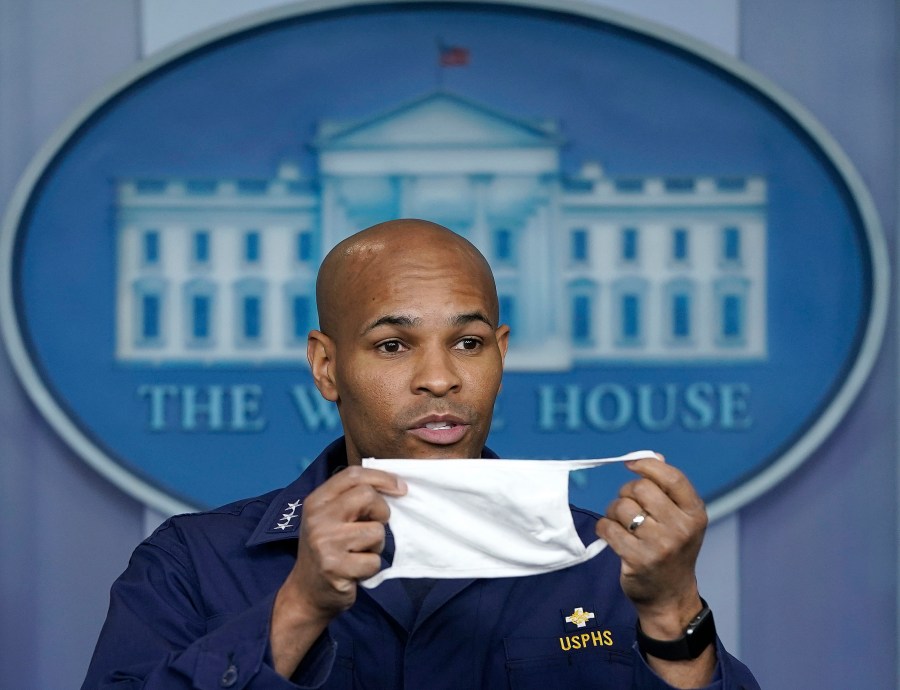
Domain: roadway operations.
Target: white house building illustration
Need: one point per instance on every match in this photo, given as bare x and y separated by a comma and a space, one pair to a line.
589, 268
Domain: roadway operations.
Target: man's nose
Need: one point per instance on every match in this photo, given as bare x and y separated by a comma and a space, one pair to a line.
436, 372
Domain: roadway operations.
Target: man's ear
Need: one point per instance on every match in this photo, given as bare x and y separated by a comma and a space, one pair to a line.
502, 335
320, 354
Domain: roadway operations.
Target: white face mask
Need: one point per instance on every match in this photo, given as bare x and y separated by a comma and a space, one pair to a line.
484, 518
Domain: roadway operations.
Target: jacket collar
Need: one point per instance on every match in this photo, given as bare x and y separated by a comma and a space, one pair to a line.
282, 518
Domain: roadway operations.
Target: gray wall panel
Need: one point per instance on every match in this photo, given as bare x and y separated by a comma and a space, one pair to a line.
819, 552
65, 533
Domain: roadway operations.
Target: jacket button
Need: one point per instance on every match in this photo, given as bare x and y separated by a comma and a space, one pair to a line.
230, 677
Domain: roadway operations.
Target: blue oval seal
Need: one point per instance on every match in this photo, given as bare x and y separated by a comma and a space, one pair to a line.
687, 260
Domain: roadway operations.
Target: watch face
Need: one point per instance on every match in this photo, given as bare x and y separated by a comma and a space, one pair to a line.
698, 620
700, 633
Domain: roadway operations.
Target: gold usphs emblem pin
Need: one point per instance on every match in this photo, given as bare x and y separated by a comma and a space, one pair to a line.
579, 617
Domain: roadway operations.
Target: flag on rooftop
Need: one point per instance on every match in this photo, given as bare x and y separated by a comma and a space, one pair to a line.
453, 56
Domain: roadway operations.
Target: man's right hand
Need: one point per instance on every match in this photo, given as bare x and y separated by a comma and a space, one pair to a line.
341, 539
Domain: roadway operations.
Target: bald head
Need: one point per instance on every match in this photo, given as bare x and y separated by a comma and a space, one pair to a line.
409, 345
398, 247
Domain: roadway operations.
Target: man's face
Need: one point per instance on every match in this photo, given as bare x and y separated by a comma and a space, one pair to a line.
416, 359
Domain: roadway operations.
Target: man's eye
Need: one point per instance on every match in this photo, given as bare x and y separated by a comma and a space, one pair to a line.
391, 346
468, 344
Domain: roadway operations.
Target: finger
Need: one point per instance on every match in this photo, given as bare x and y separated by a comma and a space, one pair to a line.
619, 539
624, 510
651, 498
360, 566
358, 537
649, 546
670, 480
332, 549
355, 475
348, 494
359, 504
351, 566
362, 502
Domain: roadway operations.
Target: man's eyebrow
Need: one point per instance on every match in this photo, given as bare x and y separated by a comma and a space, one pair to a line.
463, 319
393, 320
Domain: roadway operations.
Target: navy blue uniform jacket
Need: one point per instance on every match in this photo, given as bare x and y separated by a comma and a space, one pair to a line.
192, 610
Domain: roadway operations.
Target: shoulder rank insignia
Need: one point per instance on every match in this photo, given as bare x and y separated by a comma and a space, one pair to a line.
286, 522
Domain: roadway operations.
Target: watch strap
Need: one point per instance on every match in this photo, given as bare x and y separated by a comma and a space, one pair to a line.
698, 635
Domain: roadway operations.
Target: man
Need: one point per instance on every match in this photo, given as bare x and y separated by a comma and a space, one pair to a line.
411, 351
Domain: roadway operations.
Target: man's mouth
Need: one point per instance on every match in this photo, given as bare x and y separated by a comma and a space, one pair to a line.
440, 430
439, 425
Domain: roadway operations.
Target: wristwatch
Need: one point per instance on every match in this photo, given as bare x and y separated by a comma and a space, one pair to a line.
698, 635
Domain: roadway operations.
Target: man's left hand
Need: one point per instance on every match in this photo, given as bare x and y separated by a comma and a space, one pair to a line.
659, 555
